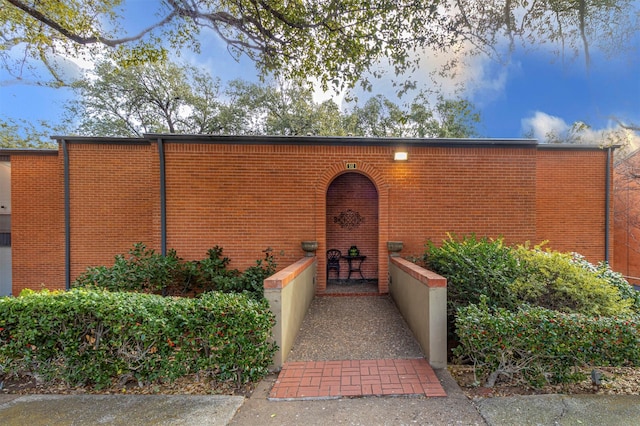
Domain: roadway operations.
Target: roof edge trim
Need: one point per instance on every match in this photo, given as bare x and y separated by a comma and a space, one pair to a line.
28, 151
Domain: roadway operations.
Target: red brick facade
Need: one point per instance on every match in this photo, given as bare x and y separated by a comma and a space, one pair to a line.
626, 191
571, 201
113, 201
37, 222
248, 194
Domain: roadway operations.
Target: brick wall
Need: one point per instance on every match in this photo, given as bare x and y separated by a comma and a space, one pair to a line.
246, 197
37, 222
486, 191
242, 198
114, 201
571, 201
626, 250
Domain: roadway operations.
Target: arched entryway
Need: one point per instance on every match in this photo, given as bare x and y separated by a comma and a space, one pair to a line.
352, 220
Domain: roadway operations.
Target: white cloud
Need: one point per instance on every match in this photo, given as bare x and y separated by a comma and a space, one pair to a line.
548, 128
541, 125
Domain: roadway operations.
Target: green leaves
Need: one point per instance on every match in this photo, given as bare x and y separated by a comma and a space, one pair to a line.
24, 134
553, 280
142, 270
146, 271
97, 338
333, 41
507, 276
148, 97
573, 313
163, 97
539, 346
474, 267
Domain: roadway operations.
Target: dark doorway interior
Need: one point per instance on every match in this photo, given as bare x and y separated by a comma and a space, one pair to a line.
352, 221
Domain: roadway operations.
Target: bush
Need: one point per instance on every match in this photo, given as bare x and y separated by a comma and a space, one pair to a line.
85, 337
539, 346
486, 283
142, 270
508, 276
252, 279
474, 268
553, 280
604, 271
146, 271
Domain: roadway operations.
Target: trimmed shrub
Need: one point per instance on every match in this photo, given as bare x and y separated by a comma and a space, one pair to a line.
553, 280
88, 337
538, 346
251, 281
474, 267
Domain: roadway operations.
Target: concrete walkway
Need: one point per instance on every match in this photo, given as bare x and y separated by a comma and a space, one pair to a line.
138, 410
455, 409
596, 410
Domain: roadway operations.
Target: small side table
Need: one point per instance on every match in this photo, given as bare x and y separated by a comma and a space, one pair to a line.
355, 265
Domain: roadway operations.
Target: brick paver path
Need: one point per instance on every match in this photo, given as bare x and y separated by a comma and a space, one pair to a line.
350, 378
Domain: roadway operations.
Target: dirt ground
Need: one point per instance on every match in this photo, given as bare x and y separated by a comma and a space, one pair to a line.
189, 385
615, 381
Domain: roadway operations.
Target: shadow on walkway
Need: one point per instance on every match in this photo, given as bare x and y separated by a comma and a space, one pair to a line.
351, 288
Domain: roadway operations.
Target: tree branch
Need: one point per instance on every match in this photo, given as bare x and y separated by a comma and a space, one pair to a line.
34, 13
582, 13
633, 127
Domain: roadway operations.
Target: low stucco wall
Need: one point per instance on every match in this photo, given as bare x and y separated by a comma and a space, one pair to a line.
290, 293
421, 298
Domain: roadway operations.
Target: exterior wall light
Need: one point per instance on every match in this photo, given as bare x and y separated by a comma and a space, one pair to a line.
401, 156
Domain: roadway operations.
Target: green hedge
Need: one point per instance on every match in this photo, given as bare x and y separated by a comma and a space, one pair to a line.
573, 323
508, 276
604, 271
539, 346
88, 337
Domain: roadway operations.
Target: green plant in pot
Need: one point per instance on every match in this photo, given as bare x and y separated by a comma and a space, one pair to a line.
353, 251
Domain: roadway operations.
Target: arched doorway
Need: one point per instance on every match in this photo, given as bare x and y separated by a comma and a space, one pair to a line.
352, 220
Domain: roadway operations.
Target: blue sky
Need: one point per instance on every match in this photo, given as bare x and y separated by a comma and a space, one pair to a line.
609, 88
536, 89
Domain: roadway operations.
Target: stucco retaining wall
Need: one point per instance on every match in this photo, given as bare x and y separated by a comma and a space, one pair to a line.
421, 298
290, 293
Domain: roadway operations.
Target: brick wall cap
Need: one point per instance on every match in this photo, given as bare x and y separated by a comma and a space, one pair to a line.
283, 277
425, 276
